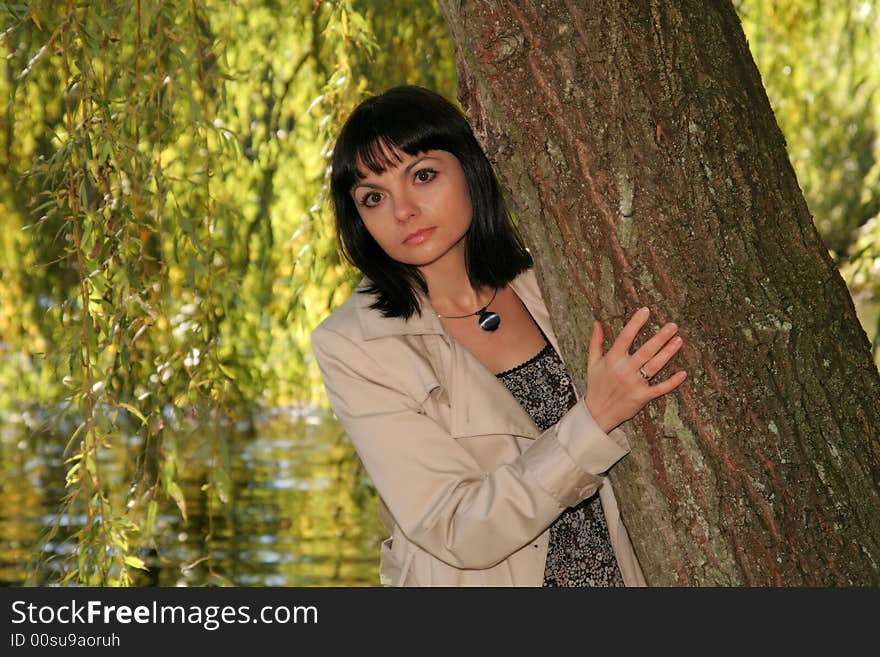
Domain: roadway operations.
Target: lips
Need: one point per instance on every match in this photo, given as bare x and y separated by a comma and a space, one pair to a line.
419, 236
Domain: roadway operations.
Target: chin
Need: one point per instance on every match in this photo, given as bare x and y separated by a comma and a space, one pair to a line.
417, 262
427, 258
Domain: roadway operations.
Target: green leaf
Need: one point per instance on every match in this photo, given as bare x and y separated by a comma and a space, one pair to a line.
131, 409
152, 512
135, 562
176, 494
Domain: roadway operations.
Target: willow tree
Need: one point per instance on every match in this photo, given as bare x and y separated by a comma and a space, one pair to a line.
646, 167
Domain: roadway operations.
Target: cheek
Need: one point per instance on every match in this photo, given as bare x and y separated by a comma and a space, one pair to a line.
382, 238
465, 207
462, 198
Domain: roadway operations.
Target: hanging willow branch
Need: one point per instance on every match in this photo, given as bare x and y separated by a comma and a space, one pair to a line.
163, 285
135, 129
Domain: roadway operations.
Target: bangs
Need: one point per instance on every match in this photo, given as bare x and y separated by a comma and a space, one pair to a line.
379, 147
382, 129
377, 155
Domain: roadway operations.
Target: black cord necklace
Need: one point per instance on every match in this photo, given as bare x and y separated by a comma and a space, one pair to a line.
488, 321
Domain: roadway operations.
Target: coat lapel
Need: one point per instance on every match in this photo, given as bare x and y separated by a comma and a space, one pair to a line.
483, 404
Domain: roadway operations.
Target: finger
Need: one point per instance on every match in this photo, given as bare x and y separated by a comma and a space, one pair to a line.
595, 350
663, 356
670, 384
624, 341
650, 349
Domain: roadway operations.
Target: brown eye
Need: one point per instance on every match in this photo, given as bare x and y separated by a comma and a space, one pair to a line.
425, 175
371, 199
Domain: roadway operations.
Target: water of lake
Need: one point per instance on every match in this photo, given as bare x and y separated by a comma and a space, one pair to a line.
302, 511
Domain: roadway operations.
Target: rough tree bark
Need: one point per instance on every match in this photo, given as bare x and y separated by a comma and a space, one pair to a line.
646, 167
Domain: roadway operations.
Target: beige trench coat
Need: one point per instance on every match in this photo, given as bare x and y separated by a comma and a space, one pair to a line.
468, 485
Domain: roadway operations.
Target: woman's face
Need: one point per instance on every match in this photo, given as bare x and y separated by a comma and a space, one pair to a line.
417, 211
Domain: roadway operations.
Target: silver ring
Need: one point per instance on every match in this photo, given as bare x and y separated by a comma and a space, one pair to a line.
644, 374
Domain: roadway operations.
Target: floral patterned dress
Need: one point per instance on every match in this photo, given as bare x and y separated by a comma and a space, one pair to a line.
580, 552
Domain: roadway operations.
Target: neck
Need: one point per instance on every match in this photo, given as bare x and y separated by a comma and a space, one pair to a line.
449, 288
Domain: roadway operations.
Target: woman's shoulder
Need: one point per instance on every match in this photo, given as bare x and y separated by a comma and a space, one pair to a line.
357, 338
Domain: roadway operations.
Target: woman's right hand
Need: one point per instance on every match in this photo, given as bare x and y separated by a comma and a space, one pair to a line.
616, 390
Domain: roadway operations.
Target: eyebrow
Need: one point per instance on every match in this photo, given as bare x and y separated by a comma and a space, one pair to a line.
406, 170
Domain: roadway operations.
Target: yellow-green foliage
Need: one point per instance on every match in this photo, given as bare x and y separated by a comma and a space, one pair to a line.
166, 240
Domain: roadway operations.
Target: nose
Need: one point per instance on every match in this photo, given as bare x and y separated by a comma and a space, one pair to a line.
405, 206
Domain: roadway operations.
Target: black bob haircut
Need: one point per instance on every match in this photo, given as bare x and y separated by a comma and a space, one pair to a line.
413, 119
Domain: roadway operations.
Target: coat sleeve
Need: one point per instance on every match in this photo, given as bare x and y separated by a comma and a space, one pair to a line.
442, 499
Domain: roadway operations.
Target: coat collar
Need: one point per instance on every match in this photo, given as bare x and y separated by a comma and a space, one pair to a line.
374, 325
481, 403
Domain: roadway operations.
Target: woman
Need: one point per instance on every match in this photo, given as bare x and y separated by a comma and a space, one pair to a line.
444, 370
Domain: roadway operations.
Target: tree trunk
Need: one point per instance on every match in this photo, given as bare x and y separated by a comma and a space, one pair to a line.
645, 167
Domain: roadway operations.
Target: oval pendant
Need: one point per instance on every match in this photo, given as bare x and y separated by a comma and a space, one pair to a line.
489, 321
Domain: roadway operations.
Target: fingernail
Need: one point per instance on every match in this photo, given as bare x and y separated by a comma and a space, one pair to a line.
644, 310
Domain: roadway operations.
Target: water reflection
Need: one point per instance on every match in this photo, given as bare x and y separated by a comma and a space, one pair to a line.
302, 512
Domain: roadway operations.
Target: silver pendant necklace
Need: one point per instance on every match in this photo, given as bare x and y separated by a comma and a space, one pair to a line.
488, 320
